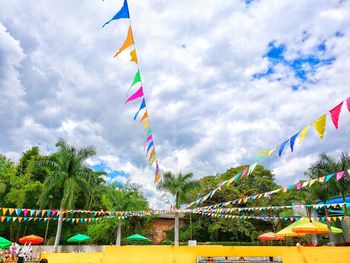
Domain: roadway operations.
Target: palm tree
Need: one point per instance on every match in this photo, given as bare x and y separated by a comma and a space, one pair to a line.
326, 165
70, 174
178, 186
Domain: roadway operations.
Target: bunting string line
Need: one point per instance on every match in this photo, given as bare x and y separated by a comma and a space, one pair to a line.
297, 186
319, 124
138, 94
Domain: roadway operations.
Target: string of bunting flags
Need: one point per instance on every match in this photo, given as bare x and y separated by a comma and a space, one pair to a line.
297, 186
319, 124
276, 218
138, 95
263, 208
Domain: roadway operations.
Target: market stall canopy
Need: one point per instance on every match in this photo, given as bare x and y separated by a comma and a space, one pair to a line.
4, 243
315, 227
269, 236
137, 237
288, 232
33, 239
79, 238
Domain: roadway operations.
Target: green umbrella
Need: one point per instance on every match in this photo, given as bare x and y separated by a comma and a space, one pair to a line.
137, 237
79, 238
4, 243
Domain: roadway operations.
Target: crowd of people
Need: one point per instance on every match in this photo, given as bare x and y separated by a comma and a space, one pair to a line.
17, 253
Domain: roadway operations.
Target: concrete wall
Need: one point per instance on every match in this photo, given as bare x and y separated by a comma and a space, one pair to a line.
169, 254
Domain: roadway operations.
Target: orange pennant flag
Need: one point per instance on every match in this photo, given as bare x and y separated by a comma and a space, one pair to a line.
127, 43
145, 115
20, 219
151, 155
2, 218
320, 125
133, 56
11, 210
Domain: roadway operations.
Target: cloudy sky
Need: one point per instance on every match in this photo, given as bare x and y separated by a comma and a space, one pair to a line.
223, 80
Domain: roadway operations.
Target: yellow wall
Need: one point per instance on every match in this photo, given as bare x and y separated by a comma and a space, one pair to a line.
184, 254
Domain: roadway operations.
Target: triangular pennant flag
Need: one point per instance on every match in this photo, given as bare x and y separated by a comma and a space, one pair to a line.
144, 116
153, 159
340, 175
149, 138
14, 219
11, 210
122, 13
127, 43
136, 95
20, 219
320, 125
143, 105
2, 219
151, 155
8, 218
312, 182
348, 103
4, 210
321, 179
252, 168
303, 133
134, 56
25, 212
244, 172
146, 124
137, 78
335, 112
328, 177
25, 219
32, 212
292, 141
280, 150
18, 211
149, 147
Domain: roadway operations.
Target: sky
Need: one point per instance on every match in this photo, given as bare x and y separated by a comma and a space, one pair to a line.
222, 79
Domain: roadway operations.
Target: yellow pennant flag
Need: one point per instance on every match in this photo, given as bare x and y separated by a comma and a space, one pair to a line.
4, 210
266, 152
154, 158
146, 124
133, 56
127, 43
145, 115
320, 125
303, 133
312, 182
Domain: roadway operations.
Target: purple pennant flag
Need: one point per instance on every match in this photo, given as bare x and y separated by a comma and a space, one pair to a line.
136, 95
340, 175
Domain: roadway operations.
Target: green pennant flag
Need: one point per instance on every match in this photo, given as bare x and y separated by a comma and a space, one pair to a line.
137, 78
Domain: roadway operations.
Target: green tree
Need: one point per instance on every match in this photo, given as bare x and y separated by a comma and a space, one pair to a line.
179, 186
69, 173
119, 198
326, 165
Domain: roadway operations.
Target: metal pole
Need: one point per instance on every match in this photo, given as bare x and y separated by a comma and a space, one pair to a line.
48, 220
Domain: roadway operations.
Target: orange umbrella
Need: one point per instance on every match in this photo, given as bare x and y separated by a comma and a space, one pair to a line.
269, 236
35, 240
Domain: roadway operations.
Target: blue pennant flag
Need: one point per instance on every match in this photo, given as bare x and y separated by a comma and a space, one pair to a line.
281, 148
292, 140
122, 13
149, 146
143, 105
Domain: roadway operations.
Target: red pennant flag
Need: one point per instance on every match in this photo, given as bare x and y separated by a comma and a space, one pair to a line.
335, 112
348, 103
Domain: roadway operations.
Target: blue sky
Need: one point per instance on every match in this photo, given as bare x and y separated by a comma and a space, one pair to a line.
223, 81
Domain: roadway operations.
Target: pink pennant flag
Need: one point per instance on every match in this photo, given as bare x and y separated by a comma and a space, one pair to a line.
244, 172
136, 95
299, 186
348, 103
335, 112
149, 138
340, 175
